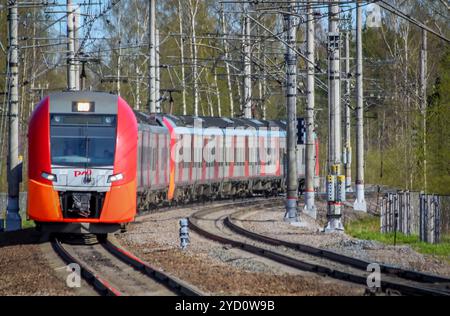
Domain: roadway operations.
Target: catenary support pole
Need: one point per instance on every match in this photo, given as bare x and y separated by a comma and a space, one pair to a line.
194, 55
71, 67
77, 47
119, 53
182, 41
227, 65
334, 134
423, 101
291, 214
347, 155
151, 58
158, 74
13, 220
247, 84
310, 206
360, 202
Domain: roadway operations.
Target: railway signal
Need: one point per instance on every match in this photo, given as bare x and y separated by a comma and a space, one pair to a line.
301, 131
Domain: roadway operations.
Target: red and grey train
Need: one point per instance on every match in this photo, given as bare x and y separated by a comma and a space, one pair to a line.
93, 161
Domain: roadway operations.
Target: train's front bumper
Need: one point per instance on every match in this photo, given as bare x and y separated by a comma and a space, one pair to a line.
44, 205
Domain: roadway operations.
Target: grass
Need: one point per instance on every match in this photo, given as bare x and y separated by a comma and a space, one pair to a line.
368, 228
27, 224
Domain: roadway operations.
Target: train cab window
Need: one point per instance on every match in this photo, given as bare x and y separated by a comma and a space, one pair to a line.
83, 140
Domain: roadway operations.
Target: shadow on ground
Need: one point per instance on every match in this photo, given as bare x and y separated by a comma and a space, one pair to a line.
27, 236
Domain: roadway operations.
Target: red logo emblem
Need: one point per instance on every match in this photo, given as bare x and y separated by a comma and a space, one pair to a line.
78, 173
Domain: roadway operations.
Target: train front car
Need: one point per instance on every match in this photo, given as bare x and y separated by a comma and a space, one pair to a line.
82, 163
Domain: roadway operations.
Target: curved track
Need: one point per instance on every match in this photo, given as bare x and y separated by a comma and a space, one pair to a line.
113, 271
216, 224
231, 222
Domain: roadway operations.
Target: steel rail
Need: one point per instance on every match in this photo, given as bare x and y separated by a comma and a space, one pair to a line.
386, 285
328, 254
172, 282
101, 286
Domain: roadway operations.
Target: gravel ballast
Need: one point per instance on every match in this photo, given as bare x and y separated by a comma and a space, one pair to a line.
220, 269
26, 270
269, 222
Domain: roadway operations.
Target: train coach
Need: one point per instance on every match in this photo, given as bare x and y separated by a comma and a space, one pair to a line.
93, 161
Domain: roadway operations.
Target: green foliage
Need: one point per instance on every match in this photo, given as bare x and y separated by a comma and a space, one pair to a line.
368, 228
27, 224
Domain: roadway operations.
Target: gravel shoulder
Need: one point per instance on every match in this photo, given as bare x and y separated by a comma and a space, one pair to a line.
220, 269
270, 222
29, 267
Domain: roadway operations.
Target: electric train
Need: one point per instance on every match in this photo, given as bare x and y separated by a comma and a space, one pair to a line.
93, 161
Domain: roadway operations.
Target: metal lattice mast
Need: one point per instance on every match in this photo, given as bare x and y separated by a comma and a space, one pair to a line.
151, 58
360, 203
334, 135
291, 214
13, 220
310, 87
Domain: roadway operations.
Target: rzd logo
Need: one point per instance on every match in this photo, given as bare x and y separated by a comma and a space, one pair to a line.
78, 173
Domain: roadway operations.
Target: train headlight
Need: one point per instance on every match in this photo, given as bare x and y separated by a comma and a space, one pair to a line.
115, 177
49, 176
83, 106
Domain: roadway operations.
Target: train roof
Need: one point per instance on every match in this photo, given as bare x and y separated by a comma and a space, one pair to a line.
145, 118
222, 122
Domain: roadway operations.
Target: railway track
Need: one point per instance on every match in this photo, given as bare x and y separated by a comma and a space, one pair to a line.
113, 271
231, 222
219, 224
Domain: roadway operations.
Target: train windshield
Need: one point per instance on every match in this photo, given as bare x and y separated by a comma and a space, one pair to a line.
83, 140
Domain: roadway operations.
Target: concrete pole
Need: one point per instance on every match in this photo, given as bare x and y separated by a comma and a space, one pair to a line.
158, 74
151, 58
347, 146
13, 220
194, 56
247, 84
291, 214
334, 135
423, 100
360, 203
216, 83
183, 75
71, 67
138, 87
77, 47
310, 87
119, 54
227, 65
